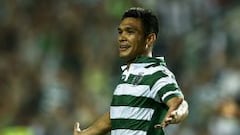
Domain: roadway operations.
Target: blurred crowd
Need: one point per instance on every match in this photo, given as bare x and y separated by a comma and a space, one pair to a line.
59, 62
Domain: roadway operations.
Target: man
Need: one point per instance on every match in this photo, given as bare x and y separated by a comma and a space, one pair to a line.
147, 97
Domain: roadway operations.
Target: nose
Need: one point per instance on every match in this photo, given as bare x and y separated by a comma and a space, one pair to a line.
121, 37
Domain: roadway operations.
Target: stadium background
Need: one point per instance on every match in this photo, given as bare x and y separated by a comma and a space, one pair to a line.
59, 62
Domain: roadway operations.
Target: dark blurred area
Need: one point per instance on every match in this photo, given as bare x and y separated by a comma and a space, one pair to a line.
59, 62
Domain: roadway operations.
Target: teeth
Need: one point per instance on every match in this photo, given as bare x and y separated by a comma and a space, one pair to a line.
124, 46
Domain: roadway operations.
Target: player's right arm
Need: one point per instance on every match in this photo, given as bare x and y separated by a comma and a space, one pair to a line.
100, 127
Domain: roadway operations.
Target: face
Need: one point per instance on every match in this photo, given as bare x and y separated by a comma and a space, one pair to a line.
131, 39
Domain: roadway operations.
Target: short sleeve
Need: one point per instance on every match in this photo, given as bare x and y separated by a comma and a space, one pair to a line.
166, 88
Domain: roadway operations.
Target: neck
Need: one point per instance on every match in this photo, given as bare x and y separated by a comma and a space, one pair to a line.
149, 54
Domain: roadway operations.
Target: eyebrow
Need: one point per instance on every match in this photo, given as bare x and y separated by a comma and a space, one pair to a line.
119, 29
127, 28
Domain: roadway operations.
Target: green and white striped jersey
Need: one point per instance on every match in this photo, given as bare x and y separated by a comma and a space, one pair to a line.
139, 99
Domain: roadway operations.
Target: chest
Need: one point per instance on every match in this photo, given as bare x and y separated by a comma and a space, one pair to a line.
133, 82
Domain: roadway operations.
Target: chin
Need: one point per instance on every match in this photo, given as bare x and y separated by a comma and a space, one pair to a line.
123, 57
126, 58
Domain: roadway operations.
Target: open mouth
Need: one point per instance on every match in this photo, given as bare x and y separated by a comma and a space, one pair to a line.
124, 47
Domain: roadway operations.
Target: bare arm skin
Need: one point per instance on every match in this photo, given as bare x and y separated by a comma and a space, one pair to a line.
100, 127
177, 112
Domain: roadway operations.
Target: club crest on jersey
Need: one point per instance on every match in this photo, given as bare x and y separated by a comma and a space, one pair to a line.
123, 77
137, 79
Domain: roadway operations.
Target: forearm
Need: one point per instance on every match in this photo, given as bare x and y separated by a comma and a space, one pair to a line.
174, 104
181, 112
100, 127
178, 110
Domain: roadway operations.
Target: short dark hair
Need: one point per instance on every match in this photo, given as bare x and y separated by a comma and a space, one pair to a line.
148, 19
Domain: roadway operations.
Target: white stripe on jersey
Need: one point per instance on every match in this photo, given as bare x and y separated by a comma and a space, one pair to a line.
132, 90
170, 93
161, 83
126, 112
127, 132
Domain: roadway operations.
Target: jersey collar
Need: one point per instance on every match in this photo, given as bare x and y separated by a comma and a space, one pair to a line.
144, 60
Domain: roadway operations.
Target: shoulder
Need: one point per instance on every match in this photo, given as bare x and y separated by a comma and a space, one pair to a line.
158, 64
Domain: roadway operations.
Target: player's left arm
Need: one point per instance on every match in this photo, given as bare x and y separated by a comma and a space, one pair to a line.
177, 112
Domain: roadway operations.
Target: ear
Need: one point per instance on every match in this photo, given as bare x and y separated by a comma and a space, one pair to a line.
150, 39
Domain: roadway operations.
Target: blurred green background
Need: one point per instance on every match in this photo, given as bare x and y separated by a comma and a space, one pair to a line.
59, 62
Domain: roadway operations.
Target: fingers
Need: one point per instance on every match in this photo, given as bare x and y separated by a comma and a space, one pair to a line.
174, 113
76, 128
175, 116
162, 125
168, 120
159, 126
165, 123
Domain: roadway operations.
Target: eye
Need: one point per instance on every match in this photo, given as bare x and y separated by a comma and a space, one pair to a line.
130, 31
120, 31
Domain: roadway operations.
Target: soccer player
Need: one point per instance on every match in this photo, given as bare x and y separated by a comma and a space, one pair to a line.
147, 97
